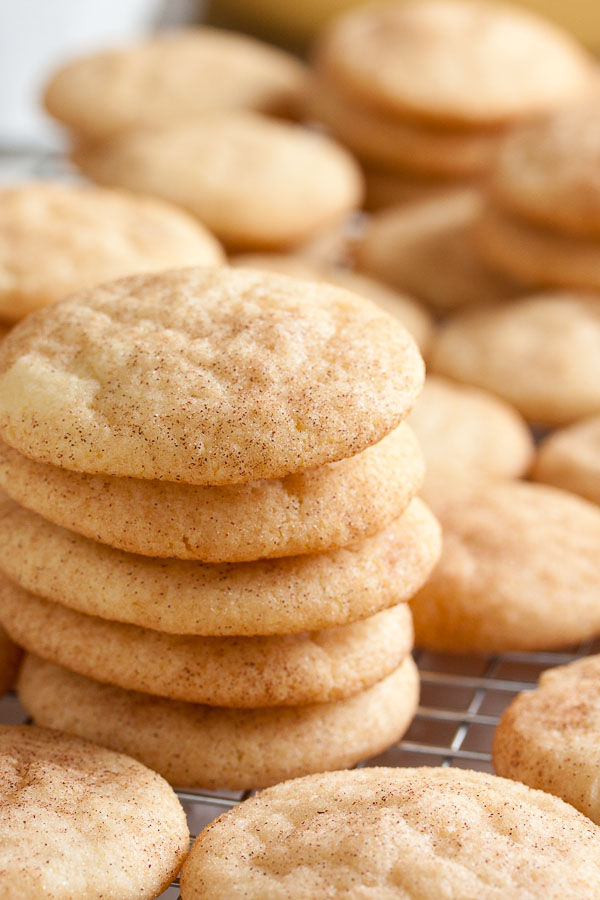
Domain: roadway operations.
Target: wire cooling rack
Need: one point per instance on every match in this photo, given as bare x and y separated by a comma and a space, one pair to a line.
462, 698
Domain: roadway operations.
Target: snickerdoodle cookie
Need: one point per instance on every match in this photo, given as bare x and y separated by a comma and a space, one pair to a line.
77, 820
397, 833
518, 570
570, 459
550, 738
541, 354
428, 248
282, 596
255, 182
207, 376
403, 146
315, 667
465, 430
307, 512
548, 172
212, 747
56, 239
173, 76
454, 62
536, 255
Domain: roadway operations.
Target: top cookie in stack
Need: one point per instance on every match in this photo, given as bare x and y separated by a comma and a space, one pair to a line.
206, 376
425, 90
231, 418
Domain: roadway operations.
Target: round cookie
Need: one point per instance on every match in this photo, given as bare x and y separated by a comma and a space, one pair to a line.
284, 596
550, 738
541, 354
207, 376
402, 146
428, 248
151, 83
396, 833
464, 430
79, 236
309, 512
548, 171
210, 747
413, 316
570, 459
257, 183
518, 570
10, 657
286, 670
454, 62
77, 820
536, 255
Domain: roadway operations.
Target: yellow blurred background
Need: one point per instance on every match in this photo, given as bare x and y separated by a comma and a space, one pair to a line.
296, 21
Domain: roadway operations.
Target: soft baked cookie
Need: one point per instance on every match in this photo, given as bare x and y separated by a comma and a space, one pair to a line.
518, 570
548, 171
77, 820
454, 62
396, 834
466, 431
536, 255
428, 248
308, 512
570, 459
257, 183
212, 747
315, 667
550, 738
173, 76
10, 657
401, 145
80, 235
415, 318
283, 596
207, 376
541, 354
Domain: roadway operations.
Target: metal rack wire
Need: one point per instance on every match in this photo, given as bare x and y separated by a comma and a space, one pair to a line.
462, 698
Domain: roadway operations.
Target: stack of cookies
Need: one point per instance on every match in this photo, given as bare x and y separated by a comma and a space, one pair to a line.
213, 525
542, 220
422, 92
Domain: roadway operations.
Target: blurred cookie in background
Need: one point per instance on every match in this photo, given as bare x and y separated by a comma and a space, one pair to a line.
173, 77
541, 221
426, 91
540, 353
428, 248
256, 183
518, 571
570, 459
548, 173
464, 431
57, 238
